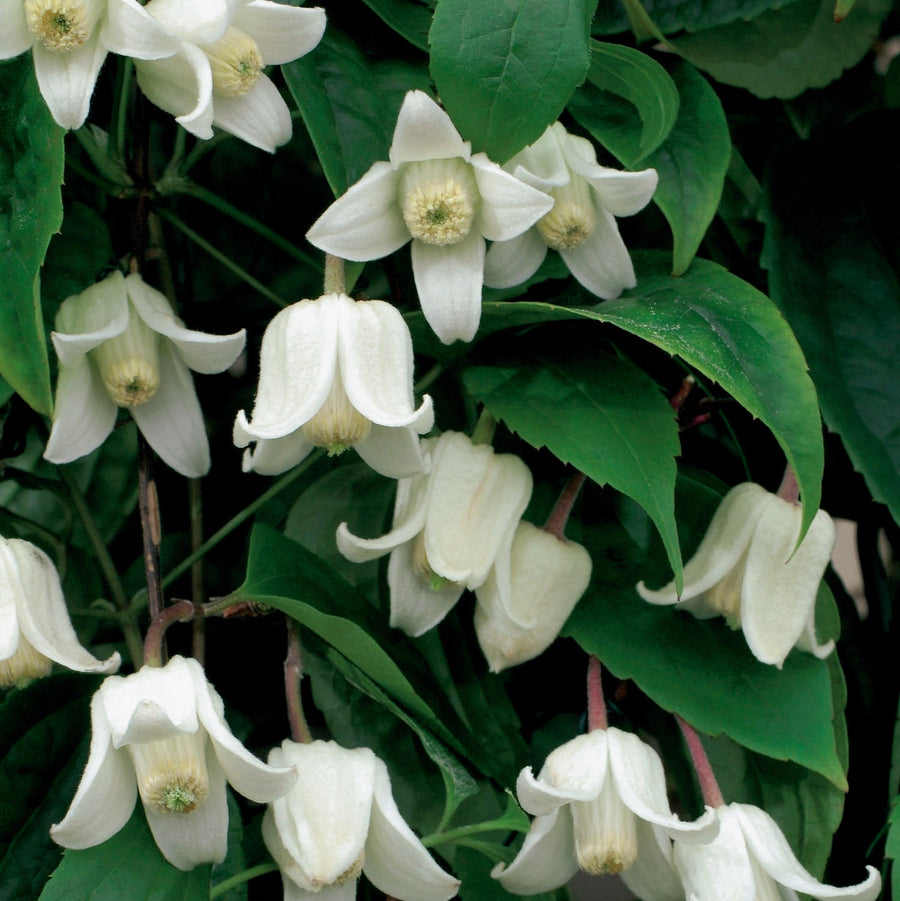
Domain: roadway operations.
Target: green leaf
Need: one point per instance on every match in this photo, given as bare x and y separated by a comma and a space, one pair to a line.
505, 69
595, 411
31, 171
129, 865
408, 18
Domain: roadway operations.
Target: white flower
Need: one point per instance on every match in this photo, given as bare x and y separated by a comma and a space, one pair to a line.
746, 568
161, 733
216, 77
336, 373
751, 859
120, 345
451, 526
446, 199
35, 629
69, 41
547, 575
339, 819
581, 226
599, 800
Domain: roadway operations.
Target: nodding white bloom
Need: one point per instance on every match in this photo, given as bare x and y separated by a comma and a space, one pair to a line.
581, 226
336, 373
340, 819
451, 527
161, 734
436, 192
216, 77
69, 40
600, 805
120, 344
547, 576
747, 569
35, 629
750, 858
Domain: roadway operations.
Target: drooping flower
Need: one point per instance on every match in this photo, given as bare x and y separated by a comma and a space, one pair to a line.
339, 820
436, 192
121, 345
751, 858
600, 805
747, 569
336, 373
451, 526
161, 734
69, 40
35, 630
547, 575
216, 77
581, 227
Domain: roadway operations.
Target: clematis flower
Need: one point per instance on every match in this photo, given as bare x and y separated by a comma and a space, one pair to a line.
600, 805
340, 819
120, 344
451, 526
336, 373
161, 733
435, 191
581, 227
35, 629
216, 77
750, 858
747, 570
548, 575
69, 40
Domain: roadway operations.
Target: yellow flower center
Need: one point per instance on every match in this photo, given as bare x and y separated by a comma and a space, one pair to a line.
572, 220
605, 833
60, 25
439, 200
337, 424
236, 63
129, 364
25, 664
171, 772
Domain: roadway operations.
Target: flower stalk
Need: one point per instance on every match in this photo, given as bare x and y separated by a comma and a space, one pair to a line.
596, 712
293, 678
712, 794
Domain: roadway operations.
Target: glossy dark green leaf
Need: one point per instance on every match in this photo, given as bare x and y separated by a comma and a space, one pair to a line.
410, 18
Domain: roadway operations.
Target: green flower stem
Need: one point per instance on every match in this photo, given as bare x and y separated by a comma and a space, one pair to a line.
222, 258
240, 878
483, 433
463, 832
120, 111
198, 637
334, 282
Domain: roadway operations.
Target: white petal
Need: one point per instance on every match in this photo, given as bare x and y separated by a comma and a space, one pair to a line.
15, 36
809, 642
396, 861
345, 892
270, 456
86, 320
425, 132
172, 421
448, 281
67, 80
508, 206
652, 876
546, 860
618, 192
131, 31
364, 223
9, 620
282, 33
260, 117
512, 262
202, 22
396, 452
602, 263
542, 164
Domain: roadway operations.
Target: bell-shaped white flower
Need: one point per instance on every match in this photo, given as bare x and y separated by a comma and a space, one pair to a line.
35, 630
547, 577
161, 734
436, 192
600, 805
451, 527
747, 569
340, 819
751, 859
69, 40
336, 373
216, 77
121, 345
581, 227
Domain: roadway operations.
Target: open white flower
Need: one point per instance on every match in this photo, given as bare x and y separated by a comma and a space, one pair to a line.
340, 819
336, 373
69, 40
547, 576
161, 733
451, 526
216, 77
581, 226
747, 569
600, 805
750, 858
121, 345
35, 629
436, 192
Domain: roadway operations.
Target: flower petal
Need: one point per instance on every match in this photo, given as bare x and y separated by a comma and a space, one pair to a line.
15, 36
508, 206
602, 263
260, 117
809, 642
542, 164
67, 80
203, 22
395, 452
131, 31
620, 193
512, 262
270, 456
448, 281
652, 876
425, 132
282, 33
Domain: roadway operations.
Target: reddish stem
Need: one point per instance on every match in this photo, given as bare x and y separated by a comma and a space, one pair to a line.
559, 516
293, 675
680, 396
179, 612
789, 490
595, 699
712, 794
